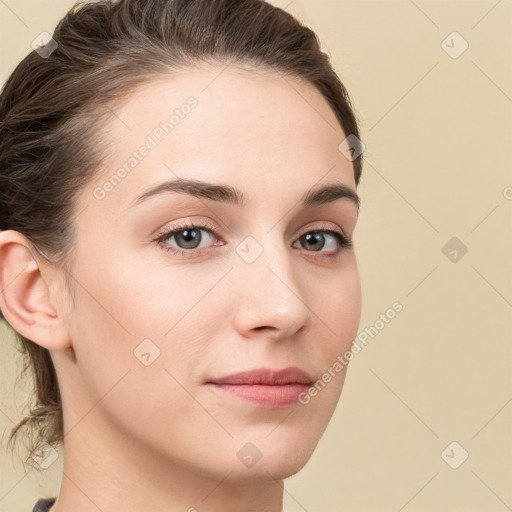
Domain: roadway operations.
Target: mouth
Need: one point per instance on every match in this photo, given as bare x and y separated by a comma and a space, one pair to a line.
264, 387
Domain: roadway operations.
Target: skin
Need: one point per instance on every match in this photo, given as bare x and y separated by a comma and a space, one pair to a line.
155, 437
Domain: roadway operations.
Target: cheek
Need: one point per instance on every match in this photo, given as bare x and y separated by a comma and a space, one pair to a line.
350, 304
139, 333
148, 296
129, 301
338, 306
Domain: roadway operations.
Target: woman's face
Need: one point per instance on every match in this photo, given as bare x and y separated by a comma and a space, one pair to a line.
151, 327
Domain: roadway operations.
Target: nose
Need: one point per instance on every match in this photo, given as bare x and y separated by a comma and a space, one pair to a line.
269, 296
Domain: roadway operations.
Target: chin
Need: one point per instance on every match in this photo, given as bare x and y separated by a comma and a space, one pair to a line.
262, 472
277, 461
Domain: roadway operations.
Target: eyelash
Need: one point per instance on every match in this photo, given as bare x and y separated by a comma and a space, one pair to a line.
344, 242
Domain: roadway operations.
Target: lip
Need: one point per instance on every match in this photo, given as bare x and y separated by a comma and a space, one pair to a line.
266, 376
265, 387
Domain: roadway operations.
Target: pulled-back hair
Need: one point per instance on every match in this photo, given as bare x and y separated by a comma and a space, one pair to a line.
57, 99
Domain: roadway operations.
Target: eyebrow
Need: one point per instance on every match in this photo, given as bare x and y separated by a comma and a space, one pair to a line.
228, 194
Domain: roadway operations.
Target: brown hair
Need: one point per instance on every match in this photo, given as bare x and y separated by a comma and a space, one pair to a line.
53, 104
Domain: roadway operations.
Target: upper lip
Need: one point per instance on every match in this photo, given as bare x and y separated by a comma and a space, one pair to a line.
266, 376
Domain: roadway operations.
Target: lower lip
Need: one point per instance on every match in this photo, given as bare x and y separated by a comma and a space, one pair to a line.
264, 395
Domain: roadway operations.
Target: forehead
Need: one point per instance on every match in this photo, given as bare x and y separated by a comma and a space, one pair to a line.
253, 128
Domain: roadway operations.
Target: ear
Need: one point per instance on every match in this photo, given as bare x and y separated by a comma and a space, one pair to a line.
25, 296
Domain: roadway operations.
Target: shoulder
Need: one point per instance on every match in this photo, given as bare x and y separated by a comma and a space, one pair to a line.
43, 505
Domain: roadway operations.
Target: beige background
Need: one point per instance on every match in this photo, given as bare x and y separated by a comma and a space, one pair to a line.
438, 134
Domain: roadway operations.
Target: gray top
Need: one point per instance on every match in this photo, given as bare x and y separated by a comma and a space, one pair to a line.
44, 505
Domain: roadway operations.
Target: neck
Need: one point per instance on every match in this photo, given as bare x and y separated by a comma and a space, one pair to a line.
105, 469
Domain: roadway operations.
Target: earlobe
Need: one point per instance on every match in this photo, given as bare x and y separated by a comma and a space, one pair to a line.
25, 296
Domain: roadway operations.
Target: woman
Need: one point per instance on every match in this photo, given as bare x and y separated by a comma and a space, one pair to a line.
177, 204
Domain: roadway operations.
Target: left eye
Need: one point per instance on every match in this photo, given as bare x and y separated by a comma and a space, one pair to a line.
317, 240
